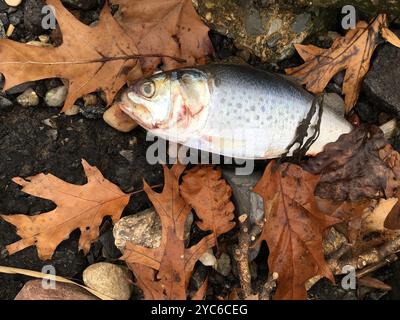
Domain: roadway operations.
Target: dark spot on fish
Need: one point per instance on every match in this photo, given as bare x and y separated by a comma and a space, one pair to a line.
257, 117
252, 108
269, 118
239, 105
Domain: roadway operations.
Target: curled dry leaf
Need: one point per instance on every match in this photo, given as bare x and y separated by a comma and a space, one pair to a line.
209, 195
78, 207
293, 228
169, 27
352, 53
163, 273
359, 165
103, 52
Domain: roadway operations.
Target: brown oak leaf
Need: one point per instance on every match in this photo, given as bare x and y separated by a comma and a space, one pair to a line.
293, 228
163, 273
352, 53
209, 195
359, 165
169, 27
80, 207
90, 58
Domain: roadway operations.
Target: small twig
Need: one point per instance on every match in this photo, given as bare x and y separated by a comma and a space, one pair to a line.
269, 286
389, 260
242, 256
372, 256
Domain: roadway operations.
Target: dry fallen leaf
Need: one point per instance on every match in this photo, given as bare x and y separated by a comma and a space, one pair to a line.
91, 58
358, 165
293, 228
352, 53
164, 272
169, 27
78, 207
209, 195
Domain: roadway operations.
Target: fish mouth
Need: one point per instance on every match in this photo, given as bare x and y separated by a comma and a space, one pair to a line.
139, 113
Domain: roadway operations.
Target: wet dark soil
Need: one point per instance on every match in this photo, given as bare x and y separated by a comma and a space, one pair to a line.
29, 147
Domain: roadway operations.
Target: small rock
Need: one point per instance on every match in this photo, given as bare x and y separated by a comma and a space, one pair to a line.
2, 31
33, 290
13, 3
93, 112
128, 155
382, 84
5, 103
143, 228
50, 123
208, 259
334, 102
74, 110
368, 113
224, 264
81, 4
301, 22
89, 100
21, 87
16, 17
266, 32
117, 119
109, 279
245, 200
28, 98
56, 97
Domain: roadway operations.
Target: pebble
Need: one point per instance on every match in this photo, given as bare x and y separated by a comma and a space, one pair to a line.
56, 97
224, 266
382, 83
74, 110
208, 259
143, 229
33, 290
93, 112
13, 3
117, 119
89, 100
335, 102
128, 155
109, 279
5, 103
269, 33
2, 31
246, 201
21, 87
28, 98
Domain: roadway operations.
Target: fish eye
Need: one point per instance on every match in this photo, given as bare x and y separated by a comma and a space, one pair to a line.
148, 89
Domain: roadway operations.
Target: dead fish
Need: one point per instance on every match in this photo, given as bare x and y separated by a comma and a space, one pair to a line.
232, 110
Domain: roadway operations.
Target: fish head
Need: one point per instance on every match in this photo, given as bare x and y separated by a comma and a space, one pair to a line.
176, 99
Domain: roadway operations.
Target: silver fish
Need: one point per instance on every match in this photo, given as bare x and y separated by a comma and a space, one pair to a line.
232, 110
